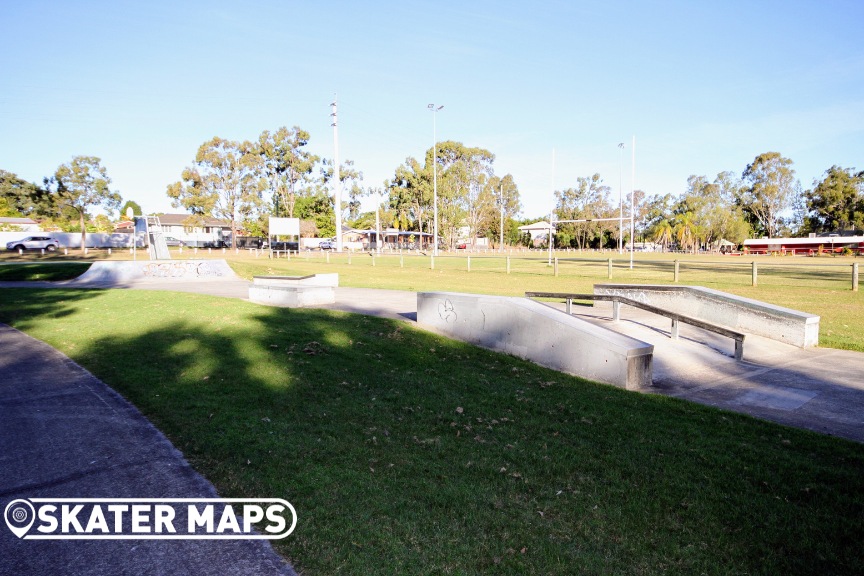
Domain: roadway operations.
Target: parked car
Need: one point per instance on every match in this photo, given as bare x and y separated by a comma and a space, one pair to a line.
47, 243
326, 245
171, 241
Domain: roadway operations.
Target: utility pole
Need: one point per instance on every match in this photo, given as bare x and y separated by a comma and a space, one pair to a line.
337, 183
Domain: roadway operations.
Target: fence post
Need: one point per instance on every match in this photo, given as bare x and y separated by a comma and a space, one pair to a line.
432, 258
855, 277
401, 261
469, 263
508, 264
328, 256
373, 259
349, 258
755, 274
676, 271
609, 271
556, 267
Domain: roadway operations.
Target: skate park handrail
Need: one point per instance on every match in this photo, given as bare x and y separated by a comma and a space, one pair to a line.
675, 317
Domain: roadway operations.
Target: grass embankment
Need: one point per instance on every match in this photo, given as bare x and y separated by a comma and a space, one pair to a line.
407, 453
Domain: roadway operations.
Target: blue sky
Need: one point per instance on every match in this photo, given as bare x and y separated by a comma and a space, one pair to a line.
703, 86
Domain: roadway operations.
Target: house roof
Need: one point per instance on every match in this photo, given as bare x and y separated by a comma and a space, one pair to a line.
542, 225
178, 220
19, 221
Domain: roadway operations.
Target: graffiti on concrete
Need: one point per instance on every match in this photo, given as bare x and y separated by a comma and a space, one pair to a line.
446, 311
180, 270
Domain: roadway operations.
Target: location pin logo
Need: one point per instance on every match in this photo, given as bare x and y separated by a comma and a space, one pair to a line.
19, 516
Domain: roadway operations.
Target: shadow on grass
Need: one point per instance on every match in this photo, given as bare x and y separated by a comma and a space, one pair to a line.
407, 453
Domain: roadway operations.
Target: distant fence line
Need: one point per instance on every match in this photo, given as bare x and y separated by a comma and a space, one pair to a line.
505, 262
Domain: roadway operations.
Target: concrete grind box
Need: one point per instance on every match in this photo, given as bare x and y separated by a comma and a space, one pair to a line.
539, 333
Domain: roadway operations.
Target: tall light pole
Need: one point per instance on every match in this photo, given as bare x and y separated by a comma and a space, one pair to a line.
434, 109
337, 181
632, 193
501, 201
620, 197
552, 211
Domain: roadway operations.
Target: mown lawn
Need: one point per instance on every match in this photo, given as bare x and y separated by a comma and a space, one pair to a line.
407, 453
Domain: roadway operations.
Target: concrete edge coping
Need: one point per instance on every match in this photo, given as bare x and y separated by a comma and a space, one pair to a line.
283, 277
298, 282
748, 303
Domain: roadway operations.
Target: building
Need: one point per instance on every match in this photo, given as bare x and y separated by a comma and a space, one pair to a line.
213, 232
19, 225
833, 244
539, 231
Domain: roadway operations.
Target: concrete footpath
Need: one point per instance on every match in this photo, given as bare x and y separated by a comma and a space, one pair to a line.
65, 434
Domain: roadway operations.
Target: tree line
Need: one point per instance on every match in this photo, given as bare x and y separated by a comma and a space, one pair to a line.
276, 174
243, 182
765, 200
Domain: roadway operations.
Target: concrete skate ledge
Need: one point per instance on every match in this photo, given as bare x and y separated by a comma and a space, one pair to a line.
294, 291
538, 333
724, 309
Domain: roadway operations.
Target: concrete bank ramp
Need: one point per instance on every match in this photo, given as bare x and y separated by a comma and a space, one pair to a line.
538, 333
125, 271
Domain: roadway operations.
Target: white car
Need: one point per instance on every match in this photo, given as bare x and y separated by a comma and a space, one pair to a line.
46, 243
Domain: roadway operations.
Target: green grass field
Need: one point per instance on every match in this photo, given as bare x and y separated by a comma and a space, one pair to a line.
407, 453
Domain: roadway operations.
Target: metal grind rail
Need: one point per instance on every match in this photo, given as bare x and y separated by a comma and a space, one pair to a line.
676, 318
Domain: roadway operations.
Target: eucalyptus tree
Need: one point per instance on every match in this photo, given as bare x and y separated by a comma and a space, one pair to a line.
84, 183
226, 181
462, 172
590, 199
769, 188
507, 205
350, 178
286, 164
410, 192
836, 202
23, 198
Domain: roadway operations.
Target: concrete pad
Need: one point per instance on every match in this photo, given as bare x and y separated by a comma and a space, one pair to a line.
820, 389
777, 397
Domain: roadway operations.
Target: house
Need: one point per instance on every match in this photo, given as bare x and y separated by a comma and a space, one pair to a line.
212, 232
19, 225
539, 231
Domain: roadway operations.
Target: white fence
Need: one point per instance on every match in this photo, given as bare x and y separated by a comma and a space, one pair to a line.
73, 239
